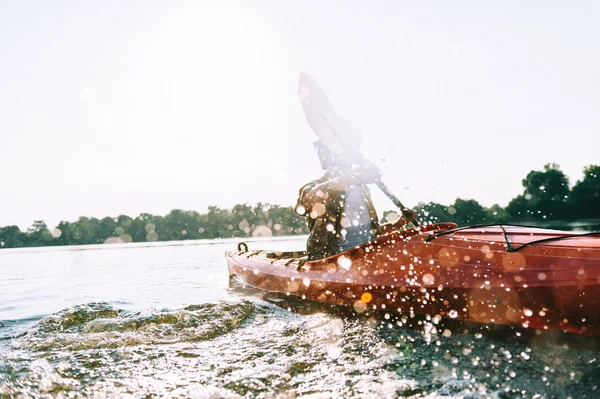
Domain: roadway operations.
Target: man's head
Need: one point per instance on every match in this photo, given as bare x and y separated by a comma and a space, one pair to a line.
330, 161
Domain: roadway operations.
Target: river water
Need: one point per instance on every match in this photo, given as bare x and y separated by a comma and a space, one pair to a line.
164, 320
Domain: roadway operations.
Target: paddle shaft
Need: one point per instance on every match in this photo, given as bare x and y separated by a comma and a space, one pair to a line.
393, 198
390, 195
344, 145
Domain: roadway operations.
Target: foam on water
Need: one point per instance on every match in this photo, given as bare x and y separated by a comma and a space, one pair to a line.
99, 325
253, 348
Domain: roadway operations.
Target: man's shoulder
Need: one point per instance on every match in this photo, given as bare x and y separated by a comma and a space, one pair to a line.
312, 184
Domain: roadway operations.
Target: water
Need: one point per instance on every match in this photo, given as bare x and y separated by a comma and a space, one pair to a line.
164, 320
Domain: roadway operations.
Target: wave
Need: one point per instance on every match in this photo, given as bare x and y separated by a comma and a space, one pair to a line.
252, 348
100, 325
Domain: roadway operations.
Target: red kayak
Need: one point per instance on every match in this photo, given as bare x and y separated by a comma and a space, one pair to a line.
510, 275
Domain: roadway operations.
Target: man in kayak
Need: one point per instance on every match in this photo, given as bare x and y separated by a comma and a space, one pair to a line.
338, 208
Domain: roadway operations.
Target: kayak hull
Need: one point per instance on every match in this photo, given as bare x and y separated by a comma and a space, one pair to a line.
475, 274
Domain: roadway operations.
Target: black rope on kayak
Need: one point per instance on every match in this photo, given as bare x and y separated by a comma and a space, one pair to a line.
301, 261
543, 240
242, 244
510, 248
289, 261
442, 233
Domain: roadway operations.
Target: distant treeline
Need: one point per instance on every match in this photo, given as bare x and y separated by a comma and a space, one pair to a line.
240, 221
546, 197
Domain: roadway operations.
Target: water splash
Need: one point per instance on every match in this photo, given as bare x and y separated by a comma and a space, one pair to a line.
252, 348
99, 325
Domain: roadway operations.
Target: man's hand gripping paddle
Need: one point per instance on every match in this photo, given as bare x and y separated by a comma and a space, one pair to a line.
338, 134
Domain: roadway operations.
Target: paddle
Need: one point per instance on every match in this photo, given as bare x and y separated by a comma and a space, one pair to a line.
337, 133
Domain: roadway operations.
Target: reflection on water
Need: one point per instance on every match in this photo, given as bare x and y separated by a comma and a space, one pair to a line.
166, 321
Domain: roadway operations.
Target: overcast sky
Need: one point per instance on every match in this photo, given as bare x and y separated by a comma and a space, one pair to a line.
123, 107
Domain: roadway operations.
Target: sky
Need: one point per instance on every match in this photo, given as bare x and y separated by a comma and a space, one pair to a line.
115, 107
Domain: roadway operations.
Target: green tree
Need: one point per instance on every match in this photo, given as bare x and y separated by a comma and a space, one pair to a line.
67, 234
467, 212
432, 212
243, 220
497, 214
85, 231
285, 221
544, 198
12, 237
218, 223
106, 229
38, 234
585, 197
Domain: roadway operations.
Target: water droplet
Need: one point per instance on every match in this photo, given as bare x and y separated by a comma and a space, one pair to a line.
262, 231
428, 279
366, 297
344, 262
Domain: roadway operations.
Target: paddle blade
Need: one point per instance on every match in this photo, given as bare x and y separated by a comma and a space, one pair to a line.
336, 133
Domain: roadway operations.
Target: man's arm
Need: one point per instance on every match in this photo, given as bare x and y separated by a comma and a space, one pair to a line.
368, 173
314, 192
314, 196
